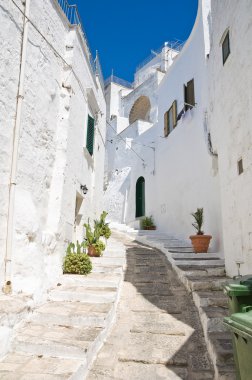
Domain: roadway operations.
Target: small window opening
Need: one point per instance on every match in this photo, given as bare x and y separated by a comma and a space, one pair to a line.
225, 48
189, 96
240, 166
90, 135
170, 119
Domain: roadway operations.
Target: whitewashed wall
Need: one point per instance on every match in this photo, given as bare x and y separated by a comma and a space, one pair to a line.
10, 37
230, 120
180, 174
53, 161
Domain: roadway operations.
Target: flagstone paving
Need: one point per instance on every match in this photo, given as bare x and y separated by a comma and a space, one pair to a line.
158, 334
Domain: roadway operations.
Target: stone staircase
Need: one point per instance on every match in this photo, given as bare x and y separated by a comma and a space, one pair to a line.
204, 276
60, 338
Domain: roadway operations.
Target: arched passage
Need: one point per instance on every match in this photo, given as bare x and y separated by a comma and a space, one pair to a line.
140, 110
140, 197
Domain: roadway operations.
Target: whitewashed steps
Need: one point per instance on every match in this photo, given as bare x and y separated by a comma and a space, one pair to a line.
76, 314
200, 263
195, 256
56, 341
84, 294
31, 367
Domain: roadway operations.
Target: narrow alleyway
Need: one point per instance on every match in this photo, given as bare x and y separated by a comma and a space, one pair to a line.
157, 334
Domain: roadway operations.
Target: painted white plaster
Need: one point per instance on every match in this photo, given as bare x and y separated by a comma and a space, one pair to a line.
230, 120
53, 161
178, 170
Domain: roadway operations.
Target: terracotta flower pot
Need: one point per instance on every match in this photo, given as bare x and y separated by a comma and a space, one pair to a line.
200, 242
92, 251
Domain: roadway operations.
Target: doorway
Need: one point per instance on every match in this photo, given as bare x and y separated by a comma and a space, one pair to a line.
140, 197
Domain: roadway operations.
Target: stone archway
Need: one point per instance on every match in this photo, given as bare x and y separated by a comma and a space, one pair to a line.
140, 110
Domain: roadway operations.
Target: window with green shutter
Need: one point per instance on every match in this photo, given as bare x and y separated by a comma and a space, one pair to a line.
90, 135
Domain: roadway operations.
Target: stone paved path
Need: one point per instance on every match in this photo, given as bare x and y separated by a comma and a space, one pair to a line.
157, 334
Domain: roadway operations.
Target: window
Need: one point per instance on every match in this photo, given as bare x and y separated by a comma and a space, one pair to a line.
90, 135
189, 98
240, 166
225, 48
170, 119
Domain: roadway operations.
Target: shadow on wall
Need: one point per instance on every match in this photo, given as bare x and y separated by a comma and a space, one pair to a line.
169, 316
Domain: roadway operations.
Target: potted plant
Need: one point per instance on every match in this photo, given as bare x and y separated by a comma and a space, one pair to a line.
148, 223
200, 241
76, 260
103, 226
92, 241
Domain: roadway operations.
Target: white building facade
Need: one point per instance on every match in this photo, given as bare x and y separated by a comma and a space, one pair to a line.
52, 140
179, 136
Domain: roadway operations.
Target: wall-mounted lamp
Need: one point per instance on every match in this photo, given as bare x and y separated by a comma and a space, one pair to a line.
84, 189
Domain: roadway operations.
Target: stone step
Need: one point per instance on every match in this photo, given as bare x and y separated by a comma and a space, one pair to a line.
212, 318
194, 256
76, 314
84, 294
180, 250
114, 253
108, 261
99, 280
56, 341
23, 367
203, 272
107, 269
222, 345
207, 283
200, 263
213, 298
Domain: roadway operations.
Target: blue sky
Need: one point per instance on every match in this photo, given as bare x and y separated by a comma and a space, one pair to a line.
124, 32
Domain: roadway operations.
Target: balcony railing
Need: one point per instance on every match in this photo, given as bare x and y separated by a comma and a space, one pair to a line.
117, 80
72, 14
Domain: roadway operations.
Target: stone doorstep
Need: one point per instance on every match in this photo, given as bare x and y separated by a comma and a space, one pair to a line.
74, 314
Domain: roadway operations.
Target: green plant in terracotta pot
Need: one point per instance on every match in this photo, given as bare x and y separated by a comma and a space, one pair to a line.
92, 240
200, 241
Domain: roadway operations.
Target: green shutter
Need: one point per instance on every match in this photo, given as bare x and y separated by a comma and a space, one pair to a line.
90, 135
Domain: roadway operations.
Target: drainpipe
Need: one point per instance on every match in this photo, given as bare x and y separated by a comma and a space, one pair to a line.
16, 134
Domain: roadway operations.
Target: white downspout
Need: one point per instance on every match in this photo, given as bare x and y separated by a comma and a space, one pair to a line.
16, 134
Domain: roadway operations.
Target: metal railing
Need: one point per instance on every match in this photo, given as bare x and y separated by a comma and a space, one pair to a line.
72, 14
173, 45
118, 80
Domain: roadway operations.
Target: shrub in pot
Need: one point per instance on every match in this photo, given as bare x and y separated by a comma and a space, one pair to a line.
200, 241
76, 261
147, 223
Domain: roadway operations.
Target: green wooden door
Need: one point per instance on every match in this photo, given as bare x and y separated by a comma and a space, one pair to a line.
140, 197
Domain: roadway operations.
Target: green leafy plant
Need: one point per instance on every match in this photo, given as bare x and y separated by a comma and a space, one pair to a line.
199, 219
77, 263
93, 238
103, 226
79, 248
147, 221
